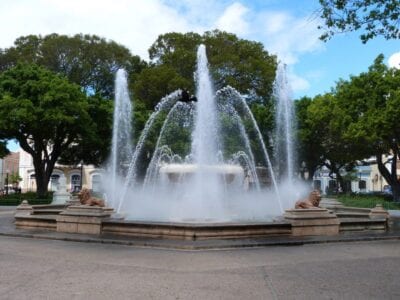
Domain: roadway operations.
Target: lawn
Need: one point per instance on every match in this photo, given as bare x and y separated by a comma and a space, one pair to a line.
367, 201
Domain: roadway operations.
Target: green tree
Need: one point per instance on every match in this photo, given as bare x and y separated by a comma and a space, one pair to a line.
373, 17
310, 150
327, 122
3, 149
45, 113
372, 100
15, 178
243, 64
87, 60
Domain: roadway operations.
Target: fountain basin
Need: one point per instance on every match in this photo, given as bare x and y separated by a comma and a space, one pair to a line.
178, 172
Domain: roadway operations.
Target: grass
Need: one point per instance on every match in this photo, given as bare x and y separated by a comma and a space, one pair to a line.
31, 197
367, 201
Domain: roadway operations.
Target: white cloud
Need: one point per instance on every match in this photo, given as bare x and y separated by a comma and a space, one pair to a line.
233, 19
297, 83
394, 60
136, 24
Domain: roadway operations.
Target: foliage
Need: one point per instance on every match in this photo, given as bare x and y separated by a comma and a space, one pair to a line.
310, 150
367, 201
3, 149
14, 178
326, 122
243, 64
374, 17
44, 113
372, 100
94, 147
87, 60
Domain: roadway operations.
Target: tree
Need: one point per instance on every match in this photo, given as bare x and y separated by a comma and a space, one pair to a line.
374, 17
3, 149
372, 101
92, 148
45, 113
327, 122
243, 64
87, 60
310, 150
15, 178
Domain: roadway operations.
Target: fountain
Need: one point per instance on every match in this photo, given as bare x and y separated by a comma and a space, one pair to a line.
216, 180
208, 176
284, 126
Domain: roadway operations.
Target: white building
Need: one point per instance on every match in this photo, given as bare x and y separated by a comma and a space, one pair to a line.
86, 176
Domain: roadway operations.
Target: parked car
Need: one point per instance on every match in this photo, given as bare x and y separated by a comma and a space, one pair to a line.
387, 189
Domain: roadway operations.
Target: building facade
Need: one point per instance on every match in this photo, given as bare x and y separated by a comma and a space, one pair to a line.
365, 178
9, 165
76, 177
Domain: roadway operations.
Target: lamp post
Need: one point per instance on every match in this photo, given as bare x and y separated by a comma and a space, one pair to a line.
7, 182
81, 181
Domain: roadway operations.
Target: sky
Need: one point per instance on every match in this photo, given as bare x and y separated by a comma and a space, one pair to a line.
287, 28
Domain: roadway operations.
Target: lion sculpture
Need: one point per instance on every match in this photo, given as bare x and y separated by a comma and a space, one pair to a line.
86, 199
310, 202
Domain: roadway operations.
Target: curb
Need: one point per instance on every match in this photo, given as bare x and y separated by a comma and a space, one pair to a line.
206, 244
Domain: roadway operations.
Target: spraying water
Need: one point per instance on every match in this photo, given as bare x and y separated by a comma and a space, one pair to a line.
206, 182
285, 126
121, 147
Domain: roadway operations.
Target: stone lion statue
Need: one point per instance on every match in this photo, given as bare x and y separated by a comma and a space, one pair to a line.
311, 201
86, 199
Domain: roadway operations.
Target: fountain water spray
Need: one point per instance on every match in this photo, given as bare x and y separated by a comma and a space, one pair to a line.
215, 176
285, 126
121, 148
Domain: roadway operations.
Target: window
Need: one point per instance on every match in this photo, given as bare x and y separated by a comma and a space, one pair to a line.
317, 184
362, 184
96, 183
54, 182
75, 183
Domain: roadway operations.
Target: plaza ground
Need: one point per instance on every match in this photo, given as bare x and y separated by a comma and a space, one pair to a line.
48, 267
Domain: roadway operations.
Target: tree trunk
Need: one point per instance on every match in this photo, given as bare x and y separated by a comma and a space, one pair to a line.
41, 180
390, 177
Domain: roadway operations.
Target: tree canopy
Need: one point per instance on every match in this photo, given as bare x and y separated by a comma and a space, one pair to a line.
45, 113
357, 120
373, 17
87, 60
242, 64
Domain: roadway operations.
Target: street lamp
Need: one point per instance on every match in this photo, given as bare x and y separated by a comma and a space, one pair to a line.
81, 176
7, 181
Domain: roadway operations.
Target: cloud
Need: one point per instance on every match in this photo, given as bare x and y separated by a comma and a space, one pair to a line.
136, 24
394, 60
233, 19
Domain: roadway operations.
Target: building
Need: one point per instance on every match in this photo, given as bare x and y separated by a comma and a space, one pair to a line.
76, 177
8, 165
366, 178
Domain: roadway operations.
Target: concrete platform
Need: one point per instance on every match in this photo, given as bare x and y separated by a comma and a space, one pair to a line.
7, 228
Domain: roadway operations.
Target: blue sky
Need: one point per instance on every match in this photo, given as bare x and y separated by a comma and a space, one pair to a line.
287, 28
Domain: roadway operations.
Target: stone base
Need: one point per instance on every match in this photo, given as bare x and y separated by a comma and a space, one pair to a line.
312, 221
24, 209
82, 219
61, 198
188, 231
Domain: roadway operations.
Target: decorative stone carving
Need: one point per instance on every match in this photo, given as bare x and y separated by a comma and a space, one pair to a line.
312, 201
86, 199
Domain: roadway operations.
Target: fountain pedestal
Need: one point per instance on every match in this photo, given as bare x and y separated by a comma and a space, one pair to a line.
82, 219
312, 221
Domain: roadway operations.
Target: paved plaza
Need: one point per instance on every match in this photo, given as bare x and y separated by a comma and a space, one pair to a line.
50, 269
